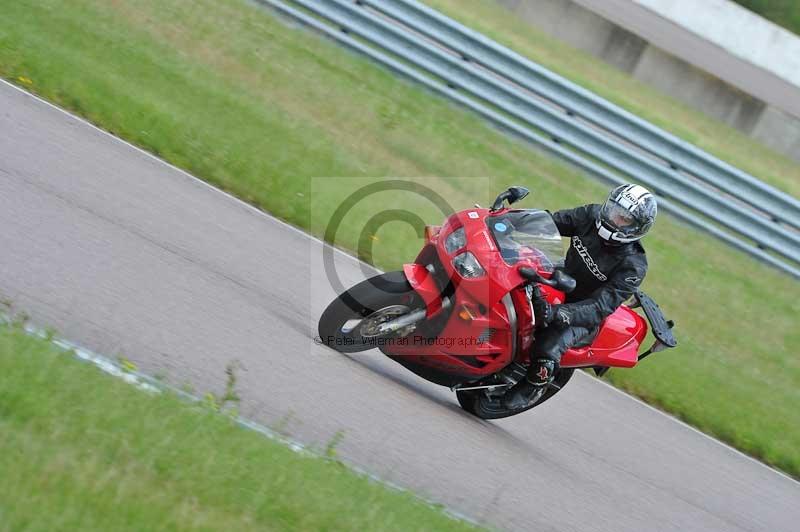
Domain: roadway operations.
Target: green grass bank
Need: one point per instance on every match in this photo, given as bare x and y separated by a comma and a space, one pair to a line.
276, 115
80, 450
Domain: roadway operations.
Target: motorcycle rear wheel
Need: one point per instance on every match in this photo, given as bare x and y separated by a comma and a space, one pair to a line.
368, 303
476, 403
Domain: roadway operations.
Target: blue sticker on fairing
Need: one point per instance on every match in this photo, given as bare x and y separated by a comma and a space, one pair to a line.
501, 227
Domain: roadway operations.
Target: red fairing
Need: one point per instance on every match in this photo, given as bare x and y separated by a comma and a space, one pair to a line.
470, 348
616, 345
423, 283
489, 322
478, 338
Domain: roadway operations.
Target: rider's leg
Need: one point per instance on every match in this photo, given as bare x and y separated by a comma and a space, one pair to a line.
546, 353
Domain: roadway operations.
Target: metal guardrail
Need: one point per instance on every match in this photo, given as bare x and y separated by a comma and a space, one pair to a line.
541, 107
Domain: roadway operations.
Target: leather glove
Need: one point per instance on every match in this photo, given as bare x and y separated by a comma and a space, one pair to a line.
560, 317
552, 315
547, 314
542, 310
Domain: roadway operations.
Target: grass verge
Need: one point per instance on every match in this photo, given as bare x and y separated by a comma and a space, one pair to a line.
80, 450
231, 94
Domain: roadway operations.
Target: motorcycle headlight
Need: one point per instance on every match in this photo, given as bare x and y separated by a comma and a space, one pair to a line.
468, 266
455, 241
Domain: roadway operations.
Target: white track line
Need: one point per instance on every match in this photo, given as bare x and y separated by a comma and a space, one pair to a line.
686, 425
149, 384
312, 237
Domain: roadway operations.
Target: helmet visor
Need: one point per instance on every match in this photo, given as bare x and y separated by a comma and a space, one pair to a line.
619, 218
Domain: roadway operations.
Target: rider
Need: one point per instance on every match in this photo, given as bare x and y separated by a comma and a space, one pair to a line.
608, 263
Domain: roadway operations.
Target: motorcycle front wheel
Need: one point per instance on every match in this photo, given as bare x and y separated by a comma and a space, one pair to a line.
351, 322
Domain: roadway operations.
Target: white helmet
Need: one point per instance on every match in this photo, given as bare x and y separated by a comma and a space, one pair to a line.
627, 215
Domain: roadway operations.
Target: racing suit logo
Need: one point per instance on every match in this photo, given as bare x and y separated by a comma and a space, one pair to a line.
587, 259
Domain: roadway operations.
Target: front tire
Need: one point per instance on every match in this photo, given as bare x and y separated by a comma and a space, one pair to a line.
347, 325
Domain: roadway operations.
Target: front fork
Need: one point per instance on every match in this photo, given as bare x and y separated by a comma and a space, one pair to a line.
425, 285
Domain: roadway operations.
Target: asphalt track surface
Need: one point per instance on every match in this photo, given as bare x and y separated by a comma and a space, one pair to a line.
124, 254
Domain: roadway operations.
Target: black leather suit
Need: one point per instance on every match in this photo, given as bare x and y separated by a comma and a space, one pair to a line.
606, 275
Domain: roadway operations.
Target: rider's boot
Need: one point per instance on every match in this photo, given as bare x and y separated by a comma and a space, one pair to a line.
532, 387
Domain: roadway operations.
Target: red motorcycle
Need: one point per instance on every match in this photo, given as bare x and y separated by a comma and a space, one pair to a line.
461, 315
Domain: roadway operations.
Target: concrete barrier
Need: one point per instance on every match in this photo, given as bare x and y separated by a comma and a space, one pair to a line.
736, 30
714, 56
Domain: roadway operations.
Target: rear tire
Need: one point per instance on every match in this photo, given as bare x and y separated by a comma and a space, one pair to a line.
385, 291
476, 403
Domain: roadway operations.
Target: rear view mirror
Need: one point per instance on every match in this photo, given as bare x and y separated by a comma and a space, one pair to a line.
517, 193
512, 195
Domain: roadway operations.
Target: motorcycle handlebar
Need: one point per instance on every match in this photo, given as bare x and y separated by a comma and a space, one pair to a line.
559, 280
532, 275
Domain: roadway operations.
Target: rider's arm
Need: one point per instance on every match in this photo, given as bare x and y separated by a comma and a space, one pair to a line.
569, 220
604, 301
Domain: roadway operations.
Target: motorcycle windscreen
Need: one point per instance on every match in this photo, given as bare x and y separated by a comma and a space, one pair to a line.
527, 235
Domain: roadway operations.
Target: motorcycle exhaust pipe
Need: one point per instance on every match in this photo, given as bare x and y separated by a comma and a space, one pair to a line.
458, 388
